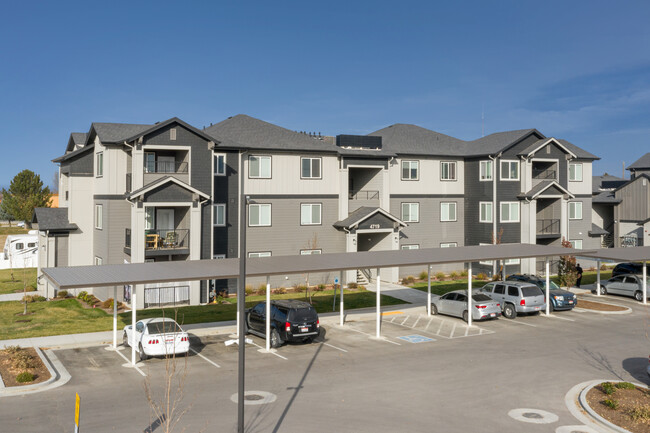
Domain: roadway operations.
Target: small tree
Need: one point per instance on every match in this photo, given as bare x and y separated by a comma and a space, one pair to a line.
496, 240
5, 215
567, 267
25, 193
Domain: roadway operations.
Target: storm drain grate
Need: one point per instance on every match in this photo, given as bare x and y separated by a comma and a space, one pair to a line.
255, 397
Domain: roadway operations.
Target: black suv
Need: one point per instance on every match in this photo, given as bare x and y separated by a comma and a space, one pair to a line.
629, 268
560, 299
291, 320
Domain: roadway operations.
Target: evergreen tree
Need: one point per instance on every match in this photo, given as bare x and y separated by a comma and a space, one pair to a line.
25, 193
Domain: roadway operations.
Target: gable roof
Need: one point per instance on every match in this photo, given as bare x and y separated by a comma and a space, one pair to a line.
53, 219
499, 141
362, 214
643, 162
162, 181
606, 182
166, 123
74, 153
605, 197
641, 176
76, 138
578, 151
413, 139
116, 133
533, 148
544, 185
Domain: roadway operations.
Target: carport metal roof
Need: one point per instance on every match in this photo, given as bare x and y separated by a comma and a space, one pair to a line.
628, 254
142, 273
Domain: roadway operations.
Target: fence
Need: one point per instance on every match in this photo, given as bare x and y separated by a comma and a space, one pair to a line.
166, 296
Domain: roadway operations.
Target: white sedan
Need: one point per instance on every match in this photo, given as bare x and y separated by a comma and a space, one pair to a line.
157, 337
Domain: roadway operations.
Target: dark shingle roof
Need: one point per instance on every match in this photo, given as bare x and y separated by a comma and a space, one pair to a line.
579, 152
495, 143
606, 181
117, 132
362, 214
597, 231
643, 162
54, 219
74, 153
413, 139
605, 197
543, 186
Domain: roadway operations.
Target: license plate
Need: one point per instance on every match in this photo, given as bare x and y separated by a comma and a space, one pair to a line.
492, 314
170, 341
570, 302
538, 308
304, 329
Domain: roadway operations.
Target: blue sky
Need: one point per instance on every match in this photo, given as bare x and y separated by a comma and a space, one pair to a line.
578, 70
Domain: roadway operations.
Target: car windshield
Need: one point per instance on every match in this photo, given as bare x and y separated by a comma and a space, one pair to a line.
163, 327
531, 291
553, 286
303, 314
481, 298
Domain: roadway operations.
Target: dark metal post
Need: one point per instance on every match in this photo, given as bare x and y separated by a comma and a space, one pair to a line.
241, 302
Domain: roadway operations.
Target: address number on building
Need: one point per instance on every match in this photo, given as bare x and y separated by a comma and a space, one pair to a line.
374, 226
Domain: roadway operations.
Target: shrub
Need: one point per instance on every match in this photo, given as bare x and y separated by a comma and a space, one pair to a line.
603, 267
496, 277
424, 275
319, 288
28, 299
82, 294
608, 388
11, 350
352, 285
481, 276
454, 275
280, 291
38, 298
362, 287
22, 360
62, 294
261, 290
301, 288
625, 385
248, 290
611, 403
463, 273
409, 280
25, 376
640, 413
108, 304
440, 276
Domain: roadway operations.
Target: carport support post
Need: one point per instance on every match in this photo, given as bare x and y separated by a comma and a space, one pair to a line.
598, 278
268, 313
341, 293
115, 317
133, 342
428, 290
645, 283
548, 285
469, 294
378, 304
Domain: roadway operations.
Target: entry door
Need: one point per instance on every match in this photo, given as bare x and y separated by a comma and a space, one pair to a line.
164, 221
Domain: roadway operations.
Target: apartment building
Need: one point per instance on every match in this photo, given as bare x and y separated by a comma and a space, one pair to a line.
170, 191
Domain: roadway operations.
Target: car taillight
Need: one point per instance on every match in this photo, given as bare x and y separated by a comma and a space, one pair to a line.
498, 305
183, 338
287, 326
154, 341
318, 323
480, 307
522, 302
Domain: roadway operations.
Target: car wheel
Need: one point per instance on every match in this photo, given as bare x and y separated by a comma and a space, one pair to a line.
125, 340
275, 338
465, 316
551, 307
143, 356
509, 311
603, 290
434, 309
638, 296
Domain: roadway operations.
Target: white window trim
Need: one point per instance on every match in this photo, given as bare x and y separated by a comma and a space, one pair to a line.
411, 247
575, 205
98, 261
448, 244
581, 172
501, 212
310, 158
455, 178
218, 256
261, 158
417, 205
509, 161
480, 169
215, 223
574, 243
320, 214
455, 211
260, 205
100, 167
99, 217
217, 156
259, 254
491, 213
310, 252
417, 170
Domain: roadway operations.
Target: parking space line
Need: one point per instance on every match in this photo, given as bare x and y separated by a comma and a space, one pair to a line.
466, 330
372, 336
129, 362
273, 353
558, 317
428, 324
518, 323
416, 321
451, 334
334, 347
442, 322
405, 320
209, 360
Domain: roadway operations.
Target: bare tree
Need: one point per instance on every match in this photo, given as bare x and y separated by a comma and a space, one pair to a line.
496, 240
24, 288
55, 182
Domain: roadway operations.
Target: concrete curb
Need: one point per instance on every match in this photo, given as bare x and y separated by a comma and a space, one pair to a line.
627, 310
592, 413
58, 376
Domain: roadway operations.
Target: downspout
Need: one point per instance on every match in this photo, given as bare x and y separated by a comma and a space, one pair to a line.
495, 162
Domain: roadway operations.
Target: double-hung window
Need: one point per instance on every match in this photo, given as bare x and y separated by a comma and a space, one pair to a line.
310, 252
219, 214
99, 216
149, 213
575, 172
448, 211
510, 212
310, 168
259, 166
509, 170
100, 164
447, 170
410, 212
410, 170
575, 210
485, 212
310, 214
259, 215
576, 243
220, 165
485, 170
411, 247
260, 254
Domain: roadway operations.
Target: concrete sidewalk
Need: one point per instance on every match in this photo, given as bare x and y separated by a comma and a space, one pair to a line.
406, 294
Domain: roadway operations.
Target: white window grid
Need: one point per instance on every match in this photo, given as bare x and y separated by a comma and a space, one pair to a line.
448, 244
311, 168
410, 212
410, 170
259, 166
259, 215
259, 254
575, 172
310, 252
448, 212
485, 211
310, 214
219, 215
219, 164
99, 216
447, 170
575, 210
411, 247
486, 171
511, 171
509, 210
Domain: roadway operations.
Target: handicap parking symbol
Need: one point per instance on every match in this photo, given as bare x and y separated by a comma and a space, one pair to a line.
416, 338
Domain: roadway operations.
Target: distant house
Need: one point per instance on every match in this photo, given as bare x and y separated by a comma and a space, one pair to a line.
54, 200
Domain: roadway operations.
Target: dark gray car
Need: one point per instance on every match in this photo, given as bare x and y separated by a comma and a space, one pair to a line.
516, 297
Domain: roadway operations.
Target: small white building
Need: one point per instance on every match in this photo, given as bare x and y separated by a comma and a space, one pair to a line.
20, 251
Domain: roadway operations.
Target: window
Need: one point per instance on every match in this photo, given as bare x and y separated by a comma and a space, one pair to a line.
149, 162
259, 167
220, 165
411, 247
219, 215
410, 212
485, 212
447, 170
448, 245
576, 243
19, 246
509, 170
218, 256
259, 215
513, 291
149, 213
448, 211
99, 217
485, 170
310, 168
309, 252
509, 212
310, 214
410, 170
260, 254
575, 172
100, 164
98, 261
575, 210
172, 134
31, 244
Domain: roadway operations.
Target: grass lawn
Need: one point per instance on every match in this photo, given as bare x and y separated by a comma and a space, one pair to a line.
8, 286
67, 316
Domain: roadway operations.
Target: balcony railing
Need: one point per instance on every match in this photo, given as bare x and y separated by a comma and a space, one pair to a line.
544, 174
364, 195
548, 227
127, 238
165, 167
128, 182
629, 241
166, 240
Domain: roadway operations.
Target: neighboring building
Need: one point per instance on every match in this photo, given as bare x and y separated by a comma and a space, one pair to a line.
54, 200
169, 191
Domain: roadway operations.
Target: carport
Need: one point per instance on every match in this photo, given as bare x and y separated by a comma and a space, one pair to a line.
628, 254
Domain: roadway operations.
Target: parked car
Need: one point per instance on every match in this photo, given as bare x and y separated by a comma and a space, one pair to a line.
291, 320
626, 285
648, 367
455, 304
516, 297
630, 268
157, 337
560, 299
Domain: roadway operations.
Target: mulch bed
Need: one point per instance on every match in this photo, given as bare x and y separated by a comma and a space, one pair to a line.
120, 307
628, 399
598, 306
8, 373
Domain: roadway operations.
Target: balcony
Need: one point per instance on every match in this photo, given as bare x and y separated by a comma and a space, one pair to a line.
548, 228
165, 167
161, 242
363, 195
544, 174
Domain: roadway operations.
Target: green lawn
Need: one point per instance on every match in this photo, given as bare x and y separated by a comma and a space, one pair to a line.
12, 231
69, 317
8, 286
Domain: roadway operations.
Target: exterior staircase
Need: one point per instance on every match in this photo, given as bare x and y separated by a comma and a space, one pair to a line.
362, 278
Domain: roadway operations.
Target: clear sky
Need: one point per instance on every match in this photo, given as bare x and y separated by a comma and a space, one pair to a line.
578, 70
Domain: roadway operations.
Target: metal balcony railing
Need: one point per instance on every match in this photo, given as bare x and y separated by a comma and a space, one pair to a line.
629, 241
364, 195
544, 174
165, 167
161, 240
548, 226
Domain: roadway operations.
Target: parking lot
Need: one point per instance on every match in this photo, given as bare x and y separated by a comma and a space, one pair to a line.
425, 373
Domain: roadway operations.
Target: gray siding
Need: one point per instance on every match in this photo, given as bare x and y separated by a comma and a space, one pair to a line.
61, 251
475, 192
169, 192
81, 165
636, 201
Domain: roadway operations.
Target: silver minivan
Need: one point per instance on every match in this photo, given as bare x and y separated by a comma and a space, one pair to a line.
516, 297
